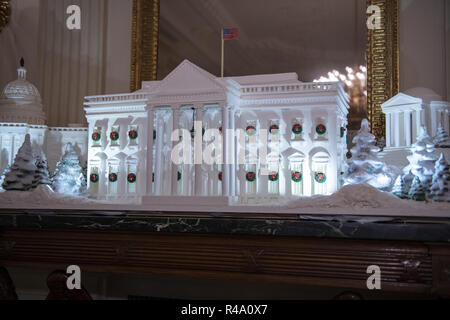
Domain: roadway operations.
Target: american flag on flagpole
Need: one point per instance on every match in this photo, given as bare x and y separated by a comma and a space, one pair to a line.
230, 33
227, 34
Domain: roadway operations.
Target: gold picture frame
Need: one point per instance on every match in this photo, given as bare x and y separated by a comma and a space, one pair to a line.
144, 42
5, 12
382, 54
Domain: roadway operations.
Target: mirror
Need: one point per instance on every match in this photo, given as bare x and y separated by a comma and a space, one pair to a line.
318, 40
309, 37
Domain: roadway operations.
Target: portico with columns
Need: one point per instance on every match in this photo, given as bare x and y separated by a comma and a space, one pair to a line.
405, 113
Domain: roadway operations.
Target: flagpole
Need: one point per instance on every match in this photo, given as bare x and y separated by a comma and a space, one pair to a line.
222, 57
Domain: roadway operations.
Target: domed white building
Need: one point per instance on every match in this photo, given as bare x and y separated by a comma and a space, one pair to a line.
21, 112
21, 102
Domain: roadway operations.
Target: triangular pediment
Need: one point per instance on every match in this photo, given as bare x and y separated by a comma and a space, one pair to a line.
401, 99
188, 78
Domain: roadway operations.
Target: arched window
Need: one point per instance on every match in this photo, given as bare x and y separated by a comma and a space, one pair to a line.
319, 172
113, 176
96, 178
132, 175
296, 174
251, 179
273, 166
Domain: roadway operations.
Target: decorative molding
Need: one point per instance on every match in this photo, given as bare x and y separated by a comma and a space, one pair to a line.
330, 262
382, 63
144, 42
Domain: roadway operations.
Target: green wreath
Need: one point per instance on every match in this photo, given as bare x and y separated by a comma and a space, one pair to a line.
297, 128
112, 177
250, 130
96, 136
93, 177
114, 135
250, 176
321, 129
132, 134
296, 176
274, 129
131, 178
320, 177
273, 176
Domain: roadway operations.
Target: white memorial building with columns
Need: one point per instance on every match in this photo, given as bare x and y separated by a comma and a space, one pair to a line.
405, 113
130, 138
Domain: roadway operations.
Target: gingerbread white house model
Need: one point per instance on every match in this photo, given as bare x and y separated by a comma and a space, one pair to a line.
133, 141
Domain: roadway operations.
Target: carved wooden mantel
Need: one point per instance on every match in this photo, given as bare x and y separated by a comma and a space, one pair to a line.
409, 267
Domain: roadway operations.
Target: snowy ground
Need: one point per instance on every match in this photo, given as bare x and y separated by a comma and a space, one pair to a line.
349, 200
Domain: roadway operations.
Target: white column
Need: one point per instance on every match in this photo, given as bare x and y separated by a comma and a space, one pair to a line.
149, 183
232, 150
388, 129
225, 149
198, 167
397, 129
418, 122
407, 125
175, 126
242, 181
287, 179
158, 153
263, 179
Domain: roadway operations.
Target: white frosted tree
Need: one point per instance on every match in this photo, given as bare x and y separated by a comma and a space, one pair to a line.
365, 166
422, 159
2, 177
22, 172
439, 190
41, 176
417, 191
441, 140
399, 188
68, 177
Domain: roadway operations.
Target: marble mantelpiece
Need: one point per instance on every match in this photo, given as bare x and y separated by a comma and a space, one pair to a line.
325, 226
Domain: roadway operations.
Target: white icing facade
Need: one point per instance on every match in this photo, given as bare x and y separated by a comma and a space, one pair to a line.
130, 146
405, 114
21, 112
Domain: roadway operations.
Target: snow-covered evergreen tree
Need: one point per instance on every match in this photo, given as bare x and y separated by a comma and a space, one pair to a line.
399, 188
21, 175
41, 176
407, 178
365, 166
439, 190
2, 177
422, 159
417, 191
68, 177
441, 140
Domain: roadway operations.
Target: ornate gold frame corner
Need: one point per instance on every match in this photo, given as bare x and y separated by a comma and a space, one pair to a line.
144, 42
382, 63
5, 12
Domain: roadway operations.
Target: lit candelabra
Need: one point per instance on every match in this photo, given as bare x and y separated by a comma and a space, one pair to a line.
355, 84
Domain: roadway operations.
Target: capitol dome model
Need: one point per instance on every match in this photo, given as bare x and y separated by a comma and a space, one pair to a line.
20, 101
